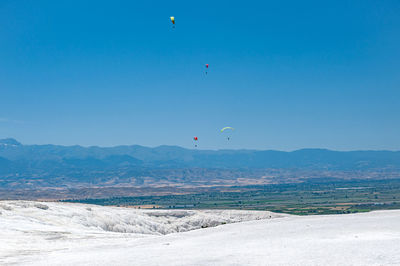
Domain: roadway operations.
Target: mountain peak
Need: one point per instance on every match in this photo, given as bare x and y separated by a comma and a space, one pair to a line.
9, 142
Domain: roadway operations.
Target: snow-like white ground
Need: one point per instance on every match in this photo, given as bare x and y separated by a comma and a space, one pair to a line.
34, 233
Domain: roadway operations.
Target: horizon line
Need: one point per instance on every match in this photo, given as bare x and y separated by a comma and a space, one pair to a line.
196, 149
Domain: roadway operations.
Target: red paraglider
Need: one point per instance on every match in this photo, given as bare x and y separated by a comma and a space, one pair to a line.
195, 139
206, 68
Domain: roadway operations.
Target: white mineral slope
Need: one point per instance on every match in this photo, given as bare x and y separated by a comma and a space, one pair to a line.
355, 239
32, 228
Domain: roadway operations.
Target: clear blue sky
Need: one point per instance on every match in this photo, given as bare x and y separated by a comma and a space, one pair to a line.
285, 74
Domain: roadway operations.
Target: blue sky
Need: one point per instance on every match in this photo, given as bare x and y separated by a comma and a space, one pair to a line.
285, 74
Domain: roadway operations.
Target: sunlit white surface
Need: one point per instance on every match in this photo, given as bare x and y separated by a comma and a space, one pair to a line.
76, 234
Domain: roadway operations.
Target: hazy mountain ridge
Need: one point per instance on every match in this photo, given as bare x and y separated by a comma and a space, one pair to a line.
173, 156
54, 165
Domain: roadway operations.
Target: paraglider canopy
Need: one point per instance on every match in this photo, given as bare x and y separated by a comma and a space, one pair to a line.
195, 138
206, 65
172, 20
226, 128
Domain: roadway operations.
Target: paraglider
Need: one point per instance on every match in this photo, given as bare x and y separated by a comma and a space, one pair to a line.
228, 129
173, 22
206, 68
195, 139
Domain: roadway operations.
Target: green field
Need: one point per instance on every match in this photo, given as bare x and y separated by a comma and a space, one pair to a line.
333, 197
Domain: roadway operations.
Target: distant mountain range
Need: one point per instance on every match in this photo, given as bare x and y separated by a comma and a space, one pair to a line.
13, 153
55, 165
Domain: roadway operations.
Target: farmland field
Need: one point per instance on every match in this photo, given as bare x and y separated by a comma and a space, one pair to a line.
332, 197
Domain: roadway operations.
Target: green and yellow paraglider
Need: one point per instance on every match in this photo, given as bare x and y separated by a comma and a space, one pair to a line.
225, 128
228, 129
173, 22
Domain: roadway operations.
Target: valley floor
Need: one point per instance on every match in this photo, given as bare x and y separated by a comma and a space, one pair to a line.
34, 233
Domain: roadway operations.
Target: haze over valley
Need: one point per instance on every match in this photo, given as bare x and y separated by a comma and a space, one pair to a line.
166, 169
